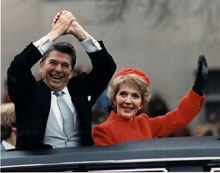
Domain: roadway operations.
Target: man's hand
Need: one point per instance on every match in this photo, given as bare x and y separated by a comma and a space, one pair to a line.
60, 24
201, 76
74, 28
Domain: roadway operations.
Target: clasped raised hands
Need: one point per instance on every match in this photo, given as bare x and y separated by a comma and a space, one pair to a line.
66, 23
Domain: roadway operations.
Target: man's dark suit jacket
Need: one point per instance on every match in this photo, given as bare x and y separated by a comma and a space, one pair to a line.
32, 98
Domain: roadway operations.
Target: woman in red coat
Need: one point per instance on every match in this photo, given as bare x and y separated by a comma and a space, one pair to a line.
129, 91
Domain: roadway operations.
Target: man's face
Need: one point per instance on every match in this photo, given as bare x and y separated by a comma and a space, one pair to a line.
56, 70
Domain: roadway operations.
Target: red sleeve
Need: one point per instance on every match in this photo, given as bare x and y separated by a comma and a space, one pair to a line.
186, 111
101, 136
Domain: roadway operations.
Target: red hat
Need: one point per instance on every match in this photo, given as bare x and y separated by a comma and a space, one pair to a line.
126, 71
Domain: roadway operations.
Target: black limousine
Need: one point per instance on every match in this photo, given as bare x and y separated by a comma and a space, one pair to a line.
181, 154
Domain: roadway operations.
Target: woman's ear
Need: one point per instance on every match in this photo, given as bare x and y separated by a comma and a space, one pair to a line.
142, 105
114, 105
114, 101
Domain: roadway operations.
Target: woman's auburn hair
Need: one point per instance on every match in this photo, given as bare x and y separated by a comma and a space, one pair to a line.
133, 80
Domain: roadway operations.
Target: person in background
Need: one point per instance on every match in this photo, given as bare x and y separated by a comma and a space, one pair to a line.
5, 96
8, 127
157, 106
55, 112
129, 91
102, 108
211, 127
84, 68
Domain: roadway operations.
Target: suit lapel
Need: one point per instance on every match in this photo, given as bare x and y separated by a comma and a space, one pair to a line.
45, 98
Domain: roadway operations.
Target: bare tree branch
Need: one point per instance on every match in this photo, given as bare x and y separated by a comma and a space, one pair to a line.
166, 13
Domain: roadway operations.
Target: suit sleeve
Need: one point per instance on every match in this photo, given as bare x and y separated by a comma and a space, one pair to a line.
20, 78
101, 136
186, 111
102, 72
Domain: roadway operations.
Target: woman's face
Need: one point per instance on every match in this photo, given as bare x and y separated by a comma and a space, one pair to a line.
128, 101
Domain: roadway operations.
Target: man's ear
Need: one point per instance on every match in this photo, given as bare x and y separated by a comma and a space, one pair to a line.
13, 129
41, 66
71, 74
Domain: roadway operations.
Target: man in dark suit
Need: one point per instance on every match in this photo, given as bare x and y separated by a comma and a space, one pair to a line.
41, 122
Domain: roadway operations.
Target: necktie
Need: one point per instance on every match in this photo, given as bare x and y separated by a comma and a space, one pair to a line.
67, 115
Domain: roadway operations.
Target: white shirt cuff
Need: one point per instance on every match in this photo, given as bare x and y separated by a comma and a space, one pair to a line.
45, 46
91, 45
